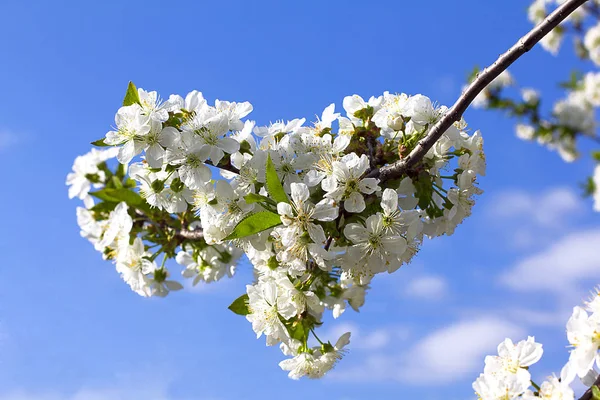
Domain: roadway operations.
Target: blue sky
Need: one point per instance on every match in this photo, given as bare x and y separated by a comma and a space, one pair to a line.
71, 329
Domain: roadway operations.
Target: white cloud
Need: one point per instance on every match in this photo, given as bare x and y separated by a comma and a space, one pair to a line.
146, 390
373, 340
559, 267
140, 393
450, 354
123, 386
427, 287
7, 139
526, 219
547, 209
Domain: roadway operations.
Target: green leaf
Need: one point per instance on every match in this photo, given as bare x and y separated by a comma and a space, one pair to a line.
595, 393
240, 305
274, 186
298, 332
119, 195
254, 224
117, 182
257, 198
100, 143
104, 207
131, 96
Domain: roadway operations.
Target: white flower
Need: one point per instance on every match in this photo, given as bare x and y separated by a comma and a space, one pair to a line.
155, 142
591, 88
153, 107
323, 124
591, 41
315, 365
118, 226
194, 102
511, 358
234, 112
574, 112
152, 185
330, 358
263, 300
86, 174
207, 132
131, 126
279, 128
504, 387
347, 185
525, 132
390, 116
90, 228
374, 245
133, 266
421, 111
160, 285
552, 41
530, 96
537, 11
188, 156
206, 266
304, 364
583, 333
554, 388
355, 103
301, 213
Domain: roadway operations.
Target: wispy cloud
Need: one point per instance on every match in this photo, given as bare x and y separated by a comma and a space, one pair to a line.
7, 139
528, 219
372, 340
559, 267
433, 288
450, 354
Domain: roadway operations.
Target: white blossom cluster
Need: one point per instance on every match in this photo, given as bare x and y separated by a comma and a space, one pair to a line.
574, 114
301, 201
571, 117
539, 10
507, 376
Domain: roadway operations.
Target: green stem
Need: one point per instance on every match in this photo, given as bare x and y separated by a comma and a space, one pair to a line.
316, 337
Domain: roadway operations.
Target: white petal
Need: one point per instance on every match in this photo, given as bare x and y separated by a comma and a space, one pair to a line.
355, 203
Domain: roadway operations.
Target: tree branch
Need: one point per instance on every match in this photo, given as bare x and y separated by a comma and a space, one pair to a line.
490, 73
185, 234
190, 235
588, 393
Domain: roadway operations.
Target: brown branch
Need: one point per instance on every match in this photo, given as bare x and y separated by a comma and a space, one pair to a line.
455, 113
184, 234
588, 393
196, 234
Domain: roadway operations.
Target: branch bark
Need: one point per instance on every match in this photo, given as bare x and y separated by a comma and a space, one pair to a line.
190, 235
490, 73
588, 393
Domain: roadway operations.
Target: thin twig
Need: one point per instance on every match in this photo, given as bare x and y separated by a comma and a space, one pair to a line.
455, 113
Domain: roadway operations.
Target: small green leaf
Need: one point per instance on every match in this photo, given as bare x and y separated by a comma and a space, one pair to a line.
131, 96
240, 305
104, 207
117, 182
257, 198
100, 143
274, 186
595, 393
298, 332
119, 195
254, 224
